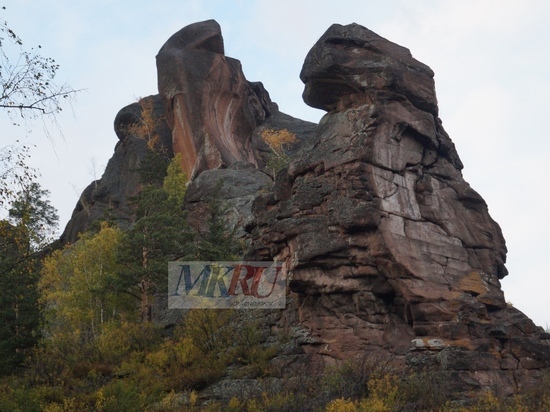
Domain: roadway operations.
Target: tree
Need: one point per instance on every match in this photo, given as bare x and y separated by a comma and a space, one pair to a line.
27, 80
14, 171
18, 298
82, 312
32, 219
218, 241
76, 288
146, 125
175, 182
28, 91
278, 141
159, 234
32, 210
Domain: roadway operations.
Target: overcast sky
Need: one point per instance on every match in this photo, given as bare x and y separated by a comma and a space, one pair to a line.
491, 59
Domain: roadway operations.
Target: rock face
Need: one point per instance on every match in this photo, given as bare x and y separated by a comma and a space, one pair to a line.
389, 248
390, 251
109, 197
210, 106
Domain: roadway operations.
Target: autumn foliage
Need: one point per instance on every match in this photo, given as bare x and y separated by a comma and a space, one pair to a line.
277, 140
146, 125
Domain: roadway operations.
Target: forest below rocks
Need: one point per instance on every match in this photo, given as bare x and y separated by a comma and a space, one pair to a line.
77, 333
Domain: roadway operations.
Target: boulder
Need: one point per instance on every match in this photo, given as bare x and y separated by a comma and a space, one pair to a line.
349, 60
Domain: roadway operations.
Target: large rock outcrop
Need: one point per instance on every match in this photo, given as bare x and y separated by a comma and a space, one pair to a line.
210, 106
389, 248
390, 251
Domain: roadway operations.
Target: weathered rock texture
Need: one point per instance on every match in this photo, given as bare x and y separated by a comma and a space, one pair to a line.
210, 106
390, 251
109, 197
389, 248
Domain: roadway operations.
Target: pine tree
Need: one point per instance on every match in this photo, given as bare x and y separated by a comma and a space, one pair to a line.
33, 211
32, 221
159, 234
218, 242
18, 310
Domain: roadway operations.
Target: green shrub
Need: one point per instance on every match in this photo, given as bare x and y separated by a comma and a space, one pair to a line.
127, 395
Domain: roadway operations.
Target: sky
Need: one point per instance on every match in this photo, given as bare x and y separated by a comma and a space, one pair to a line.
492, 71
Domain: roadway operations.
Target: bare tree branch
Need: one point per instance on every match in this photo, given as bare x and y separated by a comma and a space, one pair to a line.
28, 91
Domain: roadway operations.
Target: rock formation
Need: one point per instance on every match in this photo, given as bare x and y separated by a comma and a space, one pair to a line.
210, 106
390, 251
389, 248
109, 197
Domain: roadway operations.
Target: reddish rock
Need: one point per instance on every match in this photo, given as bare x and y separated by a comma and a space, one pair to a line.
349, 60
210, 106
392, 255
388, 246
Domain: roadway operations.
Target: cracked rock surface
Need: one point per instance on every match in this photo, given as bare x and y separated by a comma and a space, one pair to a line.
388, 246
389, 250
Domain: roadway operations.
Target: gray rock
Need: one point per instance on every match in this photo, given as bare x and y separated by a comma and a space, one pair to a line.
108, 198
